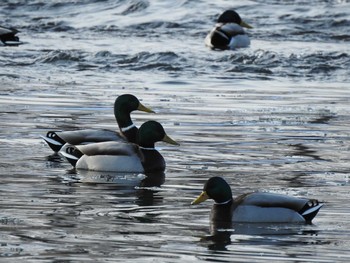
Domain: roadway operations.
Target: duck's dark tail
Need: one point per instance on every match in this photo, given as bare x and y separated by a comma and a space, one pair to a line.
53, 140
310, 210
8, 36
71, 153
219, 39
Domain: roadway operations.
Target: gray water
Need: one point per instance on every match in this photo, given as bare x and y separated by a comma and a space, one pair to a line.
271, 117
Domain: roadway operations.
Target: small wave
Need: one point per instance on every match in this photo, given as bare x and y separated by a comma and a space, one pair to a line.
254, 70
147, 29
106, 60
343, 37
29, 6
146, 60
44, 24
103, 54
64, 56
135, 6
315, 65
320, 63
155, 24
14, 76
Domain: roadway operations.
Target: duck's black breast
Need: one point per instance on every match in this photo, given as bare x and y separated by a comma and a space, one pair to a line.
221, 216
152, 160
221, 212
131, 135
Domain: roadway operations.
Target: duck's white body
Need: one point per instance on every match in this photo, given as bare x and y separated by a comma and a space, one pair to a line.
121, 164
271, 208
233, 32
255, 214
108, 156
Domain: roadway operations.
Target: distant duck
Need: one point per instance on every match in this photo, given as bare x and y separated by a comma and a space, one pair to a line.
123, 106
257, 207
228, 33
8, 37
122, 157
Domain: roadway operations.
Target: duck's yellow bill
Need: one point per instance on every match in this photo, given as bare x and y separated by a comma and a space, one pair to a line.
169, 140
201, 198
244, 24
144, 108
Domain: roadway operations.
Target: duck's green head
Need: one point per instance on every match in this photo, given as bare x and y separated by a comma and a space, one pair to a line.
151, 132
215, 188
127, 103
231, 16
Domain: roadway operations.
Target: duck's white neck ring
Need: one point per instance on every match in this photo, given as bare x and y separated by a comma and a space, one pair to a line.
224, 203
124, 129
147, 148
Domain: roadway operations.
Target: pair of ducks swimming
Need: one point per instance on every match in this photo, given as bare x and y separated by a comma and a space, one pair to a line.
228, 33
132, 150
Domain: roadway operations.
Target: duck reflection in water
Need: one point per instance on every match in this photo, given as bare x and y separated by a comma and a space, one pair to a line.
224, 233
124, 180
142, 186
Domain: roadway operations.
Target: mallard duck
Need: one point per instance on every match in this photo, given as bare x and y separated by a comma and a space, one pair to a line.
123, 106
256, 207
228, 33
122, 157
8, 36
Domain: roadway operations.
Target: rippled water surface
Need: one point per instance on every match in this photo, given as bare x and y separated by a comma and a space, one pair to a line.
272, 117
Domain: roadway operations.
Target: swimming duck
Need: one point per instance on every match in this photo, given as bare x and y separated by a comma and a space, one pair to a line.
256, 207
123, 106
228, 33
122, 157
8, 36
